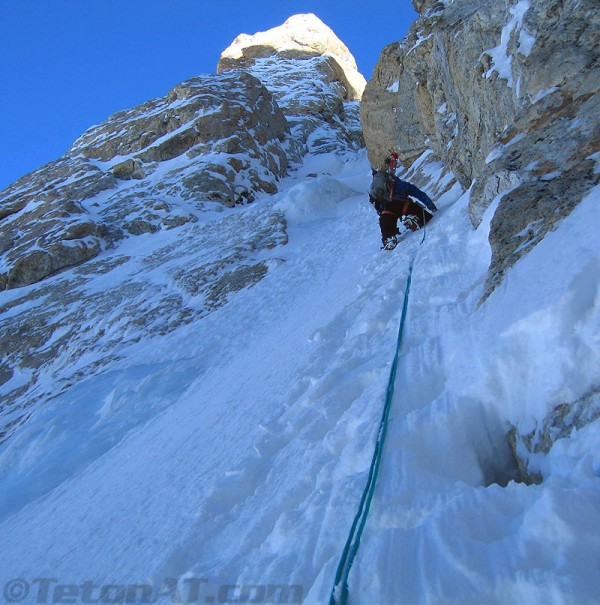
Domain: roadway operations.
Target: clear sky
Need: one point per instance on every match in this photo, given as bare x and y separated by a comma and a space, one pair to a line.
68, 64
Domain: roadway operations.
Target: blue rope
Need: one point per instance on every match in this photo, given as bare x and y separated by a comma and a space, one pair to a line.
353, 542
360, 519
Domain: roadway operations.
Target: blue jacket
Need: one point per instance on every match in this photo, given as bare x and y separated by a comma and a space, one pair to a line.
403, 188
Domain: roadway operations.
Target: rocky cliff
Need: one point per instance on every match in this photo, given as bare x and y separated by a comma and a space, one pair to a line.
504, 94
223, 138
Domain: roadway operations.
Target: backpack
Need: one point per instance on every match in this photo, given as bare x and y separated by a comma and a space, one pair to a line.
380, 189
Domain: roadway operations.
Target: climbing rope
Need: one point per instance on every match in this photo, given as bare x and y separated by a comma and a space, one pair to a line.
339, 593
424, 231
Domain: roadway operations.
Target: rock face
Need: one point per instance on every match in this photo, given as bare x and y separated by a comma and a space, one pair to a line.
222, 138
107, 304
505, 95
163, 171
320, 121
212, 138
528, 449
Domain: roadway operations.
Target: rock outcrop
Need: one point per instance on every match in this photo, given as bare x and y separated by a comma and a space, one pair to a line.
212, 138
529, 448
222, 138
505, 96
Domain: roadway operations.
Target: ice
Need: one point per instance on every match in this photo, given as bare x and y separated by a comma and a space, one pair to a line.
420, 40
544, 93
500, 55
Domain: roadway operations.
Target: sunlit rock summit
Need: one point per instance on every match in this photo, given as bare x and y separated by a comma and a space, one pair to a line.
300, 37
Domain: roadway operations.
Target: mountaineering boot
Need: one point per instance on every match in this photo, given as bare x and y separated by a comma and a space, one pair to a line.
390, 243
411, 221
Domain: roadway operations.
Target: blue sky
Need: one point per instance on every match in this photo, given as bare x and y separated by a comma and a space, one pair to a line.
68, 64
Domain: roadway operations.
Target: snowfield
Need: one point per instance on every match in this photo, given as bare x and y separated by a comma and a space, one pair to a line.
224, 461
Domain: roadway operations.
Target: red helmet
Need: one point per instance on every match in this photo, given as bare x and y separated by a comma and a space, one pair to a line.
392, 160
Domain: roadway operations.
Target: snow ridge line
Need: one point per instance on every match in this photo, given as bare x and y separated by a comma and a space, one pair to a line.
339, 592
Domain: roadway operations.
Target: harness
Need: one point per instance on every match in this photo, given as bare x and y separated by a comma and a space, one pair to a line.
407, 201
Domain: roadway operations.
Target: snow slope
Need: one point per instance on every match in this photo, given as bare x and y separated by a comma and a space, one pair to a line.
228, 456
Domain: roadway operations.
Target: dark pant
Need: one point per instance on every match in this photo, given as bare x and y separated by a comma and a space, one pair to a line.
415, 216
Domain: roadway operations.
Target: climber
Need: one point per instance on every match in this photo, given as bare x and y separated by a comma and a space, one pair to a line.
391, 198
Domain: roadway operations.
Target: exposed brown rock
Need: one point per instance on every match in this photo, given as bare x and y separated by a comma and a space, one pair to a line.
506, 96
